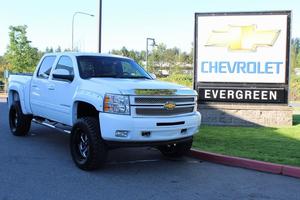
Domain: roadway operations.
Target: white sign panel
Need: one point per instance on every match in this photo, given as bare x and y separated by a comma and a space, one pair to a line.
242, 48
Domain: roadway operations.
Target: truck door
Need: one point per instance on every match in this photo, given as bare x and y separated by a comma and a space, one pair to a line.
63, 90
39, 88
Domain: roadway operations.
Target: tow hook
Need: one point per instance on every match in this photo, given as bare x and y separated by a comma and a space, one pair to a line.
146, 133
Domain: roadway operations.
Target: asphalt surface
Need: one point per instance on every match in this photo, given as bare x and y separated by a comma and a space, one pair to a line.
39, 166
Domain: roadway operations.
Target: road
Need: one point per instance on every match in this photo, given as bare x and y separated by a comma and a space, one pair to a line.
39, 166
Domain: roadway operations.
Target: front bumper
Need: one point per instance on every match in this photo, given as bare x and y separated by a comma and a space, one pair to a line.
110, 123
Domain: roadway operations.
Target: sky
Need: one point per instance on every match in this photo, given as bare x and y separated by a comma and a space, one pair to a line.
124, 22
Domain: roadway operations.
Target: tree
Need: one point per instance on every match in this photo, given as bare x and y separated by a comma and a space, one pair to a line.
139, 57
161, 58
49, 50
295, 53
2, 66
158, 57
20, 56
58, 49
67, 50
296, 44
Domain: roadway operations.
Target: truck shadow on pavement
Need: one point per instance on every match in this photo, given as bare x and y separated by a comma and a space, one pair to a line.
59, 143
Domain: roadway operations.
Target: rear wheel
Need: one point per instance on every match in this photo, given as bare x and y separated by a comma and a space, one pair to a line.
18, 122
176, 150
87, 147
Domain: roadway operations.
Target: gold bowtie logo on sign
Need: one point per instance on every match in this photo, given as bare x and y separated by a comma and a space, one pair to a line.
242, 38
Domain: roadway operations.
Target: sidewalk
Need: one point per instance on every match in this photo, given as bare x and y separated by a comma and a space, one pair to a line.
3, 95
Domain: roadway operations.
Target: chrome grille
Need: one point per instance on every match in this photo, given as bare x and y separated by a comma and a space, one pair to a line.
156, 105
163, 112
159, 100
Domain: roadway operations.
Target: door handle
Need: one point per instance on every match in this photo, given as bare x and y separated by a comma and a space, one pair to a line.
51, 87
34, 86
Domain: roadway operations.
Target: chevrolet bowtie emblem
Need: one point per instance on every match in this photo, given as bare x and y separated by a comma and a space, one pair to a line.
169, 105
242, 38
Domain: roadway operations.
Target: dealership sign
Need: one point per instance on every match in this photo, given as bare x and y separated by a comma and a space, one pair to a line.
242, 57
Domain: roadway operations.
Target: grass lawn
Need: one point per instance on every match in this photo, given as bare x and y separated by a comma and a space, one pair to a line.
276, 145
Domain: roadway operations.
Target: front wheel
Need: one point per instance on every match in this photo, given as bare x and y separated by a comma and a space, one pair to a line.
18, 122
176, 150
88, 150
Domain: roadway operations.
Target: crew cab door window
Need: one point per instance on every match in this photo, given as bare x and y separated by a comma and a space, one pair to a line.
65, 63
45, 67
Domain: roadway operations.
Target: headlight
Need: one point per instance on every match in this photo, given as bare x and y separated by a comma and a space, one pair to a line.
196, 104
118, 104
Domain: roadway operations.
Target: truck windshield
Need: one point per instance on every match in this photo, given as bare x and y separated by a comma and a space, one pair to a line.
101, 66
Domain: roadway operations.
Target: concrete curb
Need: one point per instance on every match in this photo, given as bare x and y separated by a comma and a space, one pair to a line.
3, 99
247, 163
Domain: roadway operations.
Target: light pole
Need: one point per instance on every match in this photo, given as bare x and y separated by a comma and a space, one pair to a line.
100, 25
153, 44
83, 13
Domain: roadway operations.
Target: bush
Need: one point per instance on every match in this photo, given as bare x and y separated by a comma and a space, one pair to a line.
295, 88
181, 79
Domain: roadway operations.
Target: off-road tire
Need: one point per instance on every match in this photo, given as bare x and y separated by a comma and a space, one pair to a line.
18, 122
95, 155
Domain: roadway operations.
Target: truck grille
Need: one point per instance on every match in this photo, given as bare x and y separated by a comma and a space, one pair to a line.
163, 112
156, 105
159, 100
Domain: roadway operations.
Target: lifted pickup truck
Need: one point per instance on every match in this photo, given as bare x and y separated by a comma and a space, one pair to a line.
103, 101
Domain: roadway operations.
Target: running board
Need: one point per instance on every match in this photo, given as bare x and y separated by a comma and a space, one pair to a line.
48, 124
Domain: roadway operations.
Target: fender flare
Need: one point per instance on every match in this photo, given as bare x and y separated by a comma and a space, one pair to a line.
95, 100
11, 98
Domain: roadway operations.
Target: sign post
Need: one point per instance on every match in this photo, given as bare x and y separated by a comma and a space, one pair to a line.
242, 58
6, 74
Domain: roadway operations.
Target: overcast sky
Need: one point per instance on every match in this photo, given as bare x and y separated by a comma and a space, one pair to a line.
125, 22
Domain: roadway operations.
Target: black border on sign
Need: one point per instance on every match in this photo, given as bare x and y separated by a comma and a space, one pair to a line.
285, 85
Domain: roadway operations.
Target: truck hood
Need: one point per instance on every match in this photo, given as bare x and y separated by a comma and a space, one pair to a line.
143, 86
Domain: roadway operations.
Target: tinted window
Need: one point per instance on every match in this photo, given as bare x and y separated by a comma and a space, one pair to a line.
45, 67
66, 63
114, 67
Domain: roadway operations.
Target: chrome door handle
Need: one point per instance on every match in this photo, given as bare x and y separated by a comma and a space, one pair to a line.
34, 86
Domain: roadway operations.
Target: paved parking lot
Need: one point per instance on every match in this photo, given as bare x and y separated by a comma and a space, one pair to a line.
39, 166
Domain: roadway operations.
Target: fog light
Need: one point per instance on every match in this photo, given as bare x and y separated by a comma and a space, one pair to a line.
183, 131
121, 133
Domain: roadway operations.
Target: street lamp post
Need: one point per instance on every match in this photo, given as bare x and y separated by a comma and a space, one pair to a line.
82, 13
147, 44
100, 25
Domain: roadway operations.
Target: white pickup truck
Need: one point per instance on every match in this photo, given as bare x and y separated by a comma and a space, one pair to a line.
103, 101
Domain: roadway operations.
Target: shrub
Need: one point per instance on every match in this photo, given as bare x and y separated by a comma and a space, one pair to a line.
181, 79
